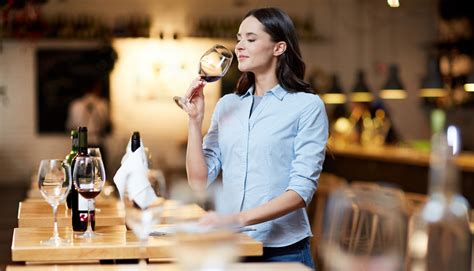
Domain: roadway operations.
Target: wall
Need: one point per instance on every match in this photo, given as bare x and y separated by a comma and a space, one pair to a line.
357, 36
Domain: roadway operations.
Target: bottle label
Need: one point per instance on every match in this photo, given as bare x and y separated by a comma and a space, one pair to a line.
83, 203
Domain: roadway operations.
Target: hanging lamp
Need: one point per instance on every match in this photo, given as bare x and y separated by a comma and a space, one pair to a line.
335, 94
360, 91
469, 85
432, 85
393, 88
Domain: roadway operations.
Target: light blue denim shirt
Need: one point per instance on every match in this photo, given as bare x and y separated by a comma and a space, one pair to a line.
280, 147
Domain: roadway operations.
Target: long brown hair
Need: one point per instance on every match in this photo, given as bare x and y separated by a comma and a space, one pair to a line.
290, 66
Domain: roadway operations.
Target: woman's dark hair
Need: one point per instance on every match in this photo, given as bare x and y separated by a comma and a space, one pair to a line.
290, 66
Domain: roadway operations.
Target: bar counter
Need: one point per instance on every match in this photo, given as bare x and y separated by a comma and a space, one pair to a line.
405, 167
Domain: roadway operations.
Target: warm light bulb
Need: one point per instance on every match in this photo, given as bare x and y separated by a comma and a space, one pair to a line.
469, 87
334, 98
393, 3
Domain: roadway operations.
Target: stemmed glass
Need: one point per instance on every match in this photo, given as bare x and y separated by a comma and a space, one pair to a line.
364, 229
54, 182
199, 245
213, 65
89, 178
94, 152
142, 221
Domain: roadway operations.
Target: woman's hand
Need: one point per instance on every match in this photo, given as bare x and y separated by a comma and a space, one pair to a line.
214, 219
195, 107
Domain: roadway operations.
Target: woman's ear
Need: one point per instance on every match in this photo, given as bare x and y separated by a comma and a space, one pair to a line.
279, 48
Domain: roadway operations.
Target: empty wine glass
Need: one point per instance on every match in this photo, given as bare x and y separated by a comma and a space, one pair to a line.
94, 152
89, 178
364, 229
143, 220
201, 246
213, 65
54, 182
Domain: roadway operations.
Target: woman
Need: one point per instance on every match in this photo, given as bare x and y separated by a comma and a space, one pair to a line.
268, 139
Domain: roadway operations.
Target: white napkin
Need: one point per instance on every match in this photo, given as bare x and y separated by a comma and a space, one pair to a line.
132, 177
128, 151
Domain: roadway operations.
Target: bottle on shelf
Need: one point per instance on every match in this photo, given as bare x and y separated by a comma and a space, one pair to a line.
70, 156
79, 203
440, 238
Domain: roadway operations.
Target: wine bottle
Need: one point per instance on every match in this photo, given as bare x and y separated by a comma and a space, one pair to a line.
135, 141
440, 237
79, 203
70, 156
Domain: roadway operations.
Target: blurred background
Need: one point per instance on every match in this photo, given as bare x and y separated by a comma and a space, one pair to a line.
139, 54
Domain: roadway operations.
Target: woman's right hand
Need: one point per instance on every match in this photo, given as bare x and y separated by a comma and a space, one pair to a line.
195, 107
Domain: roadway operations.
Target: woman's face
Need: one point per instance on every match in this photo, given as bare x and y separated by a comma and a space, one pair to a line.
254, 47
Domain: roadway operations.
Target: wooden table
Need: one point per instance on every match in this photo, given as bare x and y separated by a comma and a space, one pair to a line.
115, 242
161, 267
38, 213
34, 213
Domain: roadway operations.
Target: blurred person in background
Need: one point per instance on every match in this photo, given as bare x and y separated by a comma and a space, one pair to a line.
91, 110
268, 138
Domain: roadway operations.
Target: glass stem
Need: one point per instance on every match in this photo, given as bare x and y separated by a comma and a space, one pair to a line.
143, 255
89, 220
55, 227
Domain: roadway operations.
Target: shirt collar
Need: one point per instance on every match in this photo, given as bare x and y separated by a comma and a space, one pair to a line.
278, 91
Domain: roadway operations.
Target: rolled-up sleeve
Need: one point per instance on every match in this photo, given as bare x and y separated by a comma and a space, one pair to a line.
211, 148
309, 149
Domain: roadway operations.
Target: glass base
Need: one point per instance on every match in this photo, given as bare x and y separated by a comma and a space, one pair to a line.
55, 242
87, 235
180, 101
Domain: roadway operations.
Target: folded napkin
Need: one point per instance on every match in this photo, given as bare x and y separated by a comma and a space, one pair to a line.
128, 151
131, 178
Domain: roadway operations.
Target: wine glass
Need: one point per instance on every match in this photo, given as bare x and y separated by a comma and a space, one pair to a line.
213, 65
364, 229
201, 246
143, 220
94, 152
54, 182
89, 178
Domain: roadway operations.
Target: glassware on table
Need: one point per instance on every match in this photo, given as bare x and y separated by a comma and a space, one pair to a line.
364, 229
143, 221
94, 152
200, 246
54, 182
213, 65
89, 178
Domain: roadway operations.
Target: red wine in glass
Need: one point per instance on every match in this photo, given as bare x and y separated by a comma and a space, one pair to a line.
88, 194
213, 65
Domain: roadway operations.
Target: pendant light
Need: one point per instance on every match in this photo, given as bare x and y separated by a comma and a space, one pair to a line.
432, 85
469, 85
334, 95
361, 92
393, 88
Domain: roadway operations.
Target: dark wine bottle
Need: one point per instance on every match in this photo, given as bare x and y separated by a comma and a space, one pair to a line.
70, 157
135, 141
79, 203
134, 146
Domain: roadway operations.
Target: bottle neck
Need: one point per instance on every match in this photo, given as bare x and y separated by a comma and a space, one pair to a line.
82, 148
444, 174
74, 144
